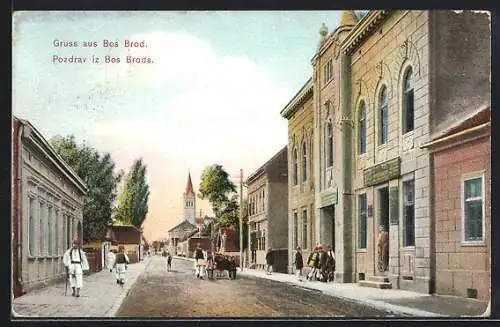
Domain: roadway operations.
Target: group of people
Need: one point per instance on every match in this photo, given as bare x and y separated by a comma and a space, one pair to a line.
320, 261
214, 262
118, 260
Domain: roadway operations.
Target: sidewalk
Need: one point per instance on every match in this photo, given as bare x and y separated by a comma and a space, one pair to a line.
398, 302
99, 297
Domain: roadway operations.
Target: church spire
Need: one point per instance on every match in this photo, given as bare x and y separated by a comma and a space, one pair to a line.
189, 186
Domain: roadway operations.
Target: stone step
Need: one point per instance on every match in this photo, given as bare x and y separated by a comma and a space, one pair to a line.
379, 279
368, 283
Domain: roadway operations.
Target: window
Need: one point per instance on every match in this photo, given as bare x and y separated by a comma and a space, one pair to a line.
329, 141
295, 230
383, 128
31, 227
79, 231
304, 229
409, 212
362, 128
56, 232
363, 236
327, 72
42, 230
295, 167
408, 102
304, 162
473, 209
68, 231
50, 226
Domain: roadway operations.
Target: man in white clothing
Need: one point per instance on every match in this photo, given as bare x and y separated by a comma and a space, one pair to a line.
75, 261
110, 260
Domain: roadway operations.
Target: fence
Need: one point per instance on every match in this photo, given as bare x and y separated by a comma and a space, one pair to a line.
94, 259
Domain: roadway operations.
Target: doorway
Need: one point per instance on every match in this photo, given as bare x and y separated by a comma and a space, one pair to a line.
329, 226
382, 255
383, 218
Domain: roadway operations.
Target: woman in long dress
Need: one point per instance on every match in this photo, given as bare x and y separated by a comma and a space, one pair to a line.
120, 265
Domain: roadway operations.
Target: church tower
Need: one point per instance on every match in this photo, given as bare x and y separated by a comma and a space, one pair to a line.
189, 198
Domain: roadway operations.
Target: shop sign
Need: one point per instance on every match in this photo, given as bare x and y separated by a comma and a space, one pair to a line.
329, 198
382, 172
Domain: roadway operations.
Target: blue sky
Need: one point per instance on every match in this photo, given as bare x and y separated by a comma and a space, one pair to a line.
213, 94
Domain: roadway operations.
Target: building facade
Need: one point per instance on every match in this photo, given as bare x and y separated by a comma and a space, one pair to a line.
301, 191
47, 211
382, 85
461, 192
268, 212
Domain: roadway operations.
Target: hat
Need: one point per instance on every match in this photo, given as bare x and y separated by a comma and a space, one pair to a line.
76, 240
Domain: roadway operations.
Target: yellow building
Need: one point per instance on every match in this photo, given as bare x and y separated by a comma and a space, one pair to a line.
301, 213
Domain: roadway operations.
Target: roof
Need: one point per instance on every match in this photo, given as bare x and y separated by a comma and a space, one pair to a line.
475, 122
126, 234
479, 117
304, 94
262, 169
182, 223
36, 138
189, 186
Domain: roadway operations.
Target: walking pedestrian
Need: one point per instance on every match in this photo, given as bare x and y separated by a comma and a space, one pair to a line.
323, 260
313, 263
120, 265
299, 263
331, 264
110, 260
199, 257
169, 262
75, 261
269, 261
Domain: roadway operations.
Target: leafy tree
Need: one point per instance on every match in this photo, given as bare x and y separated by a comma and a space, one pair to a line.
133, 199
216, 186
97, 171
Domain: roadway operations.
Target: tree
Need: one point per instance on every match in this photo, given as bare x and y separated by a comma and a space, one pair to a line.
216, 186
98, 173
133, 199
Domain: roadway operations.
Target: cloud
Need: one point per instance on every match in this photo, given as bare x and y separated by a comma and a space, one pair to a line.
192, 107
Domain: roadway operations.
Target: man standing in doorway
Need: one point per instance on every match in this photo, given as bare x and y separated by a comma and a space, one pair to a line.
75, 261
383, 249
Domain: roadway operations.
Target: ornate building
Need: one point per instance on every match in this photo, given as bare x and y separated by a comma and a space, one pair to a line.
47, 210
383, 86
301, 193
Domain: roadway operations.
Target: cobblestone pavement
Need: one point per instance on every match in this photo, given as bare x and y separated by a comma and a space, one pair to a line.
99, 297
158, 293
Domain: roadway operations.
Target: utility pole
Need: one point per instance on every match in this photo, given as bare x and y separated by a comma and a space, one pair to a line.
241, 219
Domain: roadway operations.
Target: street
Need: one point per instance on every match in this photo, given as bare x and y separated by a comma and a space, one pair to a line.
158, 293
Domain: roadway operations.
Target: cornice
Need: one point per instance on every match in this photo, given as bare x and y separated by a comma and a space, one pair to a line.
363, 30
304, 94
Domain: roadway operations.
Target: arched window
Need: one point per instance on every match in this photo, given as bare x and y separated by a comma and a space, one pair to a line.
383, 127
329, 143
295, 167
408, 102
304, 162
362, 128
